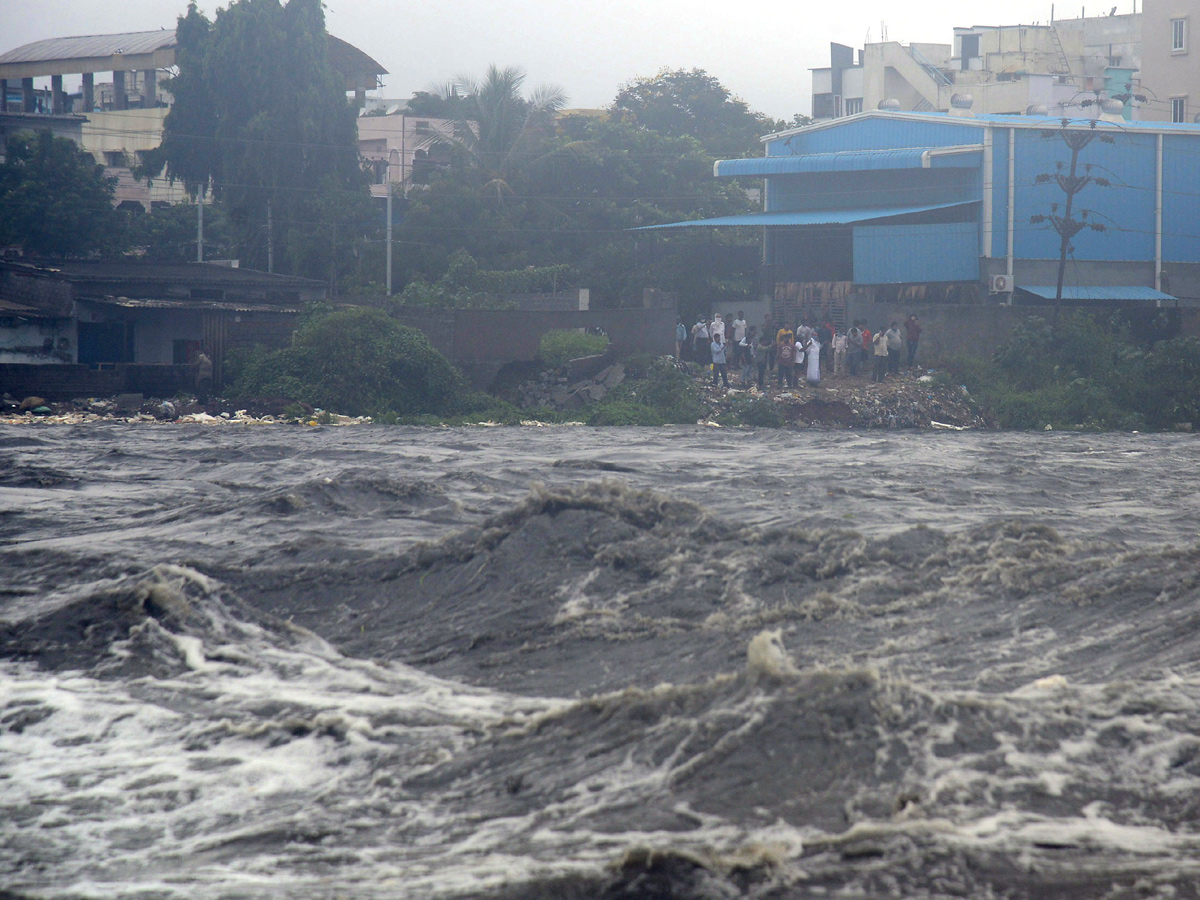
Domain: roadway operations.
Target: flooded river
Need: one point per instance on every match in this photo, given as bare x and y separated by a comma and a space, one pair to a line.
262, 662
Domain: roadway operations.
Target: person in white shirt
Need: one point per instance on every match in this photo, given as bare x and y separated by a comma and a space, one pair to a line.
840, 344
813, 355
739, 327
717, 326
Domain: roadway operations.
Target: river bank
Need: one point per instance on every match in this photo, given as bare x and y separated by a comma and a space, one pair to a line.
913, 399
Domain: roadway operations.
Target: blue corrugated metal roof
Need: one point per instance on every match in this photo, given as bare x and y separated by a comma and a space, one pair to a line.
1096, 292
845, 161
807, 217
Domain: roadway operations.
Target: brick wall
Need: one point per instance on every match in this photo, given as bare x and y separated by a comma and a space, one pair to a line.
481, 341
67, 382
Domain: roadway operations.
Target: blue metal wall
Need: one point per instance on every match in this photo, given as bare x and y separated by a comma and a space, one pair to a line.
1126, 208
999, 183
1181, 198
901, 254
860, 190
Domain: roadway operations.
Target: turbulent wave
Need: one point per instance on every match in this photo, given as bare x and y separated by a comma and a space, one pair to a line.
593, 690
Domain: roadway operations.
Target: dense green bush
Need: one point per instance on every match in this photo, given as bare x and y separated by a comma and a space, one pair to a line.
556, 348
359, 362
1085, 372
1167, 389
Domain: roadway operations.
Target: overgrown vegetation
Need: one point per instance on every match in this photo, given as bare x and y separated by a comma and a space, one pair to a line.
466, 286
556, 348
359, 362
1085, 372
663, 395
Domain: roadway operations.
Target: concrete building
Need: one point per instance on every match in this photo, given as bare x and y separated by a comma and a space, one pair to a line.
1005, 69
1171, 66
141, 321
891, 207
395, 145
123, 116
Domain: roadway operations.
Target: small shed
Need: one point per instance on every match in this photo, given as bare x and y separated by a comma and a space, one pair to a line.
149, 320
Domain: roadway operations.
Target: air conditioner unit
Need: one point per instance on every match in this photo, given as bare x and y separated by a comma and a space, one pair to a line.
1000, 284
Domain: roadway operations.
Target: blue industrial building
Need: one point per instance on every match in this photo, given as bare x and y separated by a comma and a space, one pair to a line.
892, 207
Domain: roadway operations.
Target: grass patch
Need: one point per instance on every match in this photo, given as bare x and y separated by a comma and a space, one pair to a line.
557, 348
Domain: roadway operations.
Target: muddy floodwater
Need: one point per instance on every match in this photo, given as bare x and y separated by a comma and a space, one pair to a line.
265, 662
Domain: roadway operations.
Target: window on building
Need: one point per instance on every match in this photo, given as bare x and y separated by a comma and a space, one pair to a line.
853, 106
1178, 35
1179, 109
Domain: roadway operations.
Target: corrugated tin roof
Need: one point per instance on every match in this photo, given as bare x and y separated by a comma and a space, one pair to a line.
8, 308
145, 272
1096, 292
847, 161
156, 303
91, 46
346, 59
984, 119
808, 217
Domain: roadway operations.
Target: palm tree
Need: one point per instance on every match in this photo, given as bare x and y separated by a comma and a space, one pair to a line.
498, 133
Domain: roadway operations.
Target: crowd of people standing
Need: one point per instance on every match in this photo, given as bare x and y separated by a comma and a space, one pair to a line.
785, 354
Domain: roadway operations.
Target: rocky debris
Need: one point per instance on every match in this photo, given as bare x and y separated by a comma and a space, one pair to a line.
914, 399
183, 411
30, 403
550, 389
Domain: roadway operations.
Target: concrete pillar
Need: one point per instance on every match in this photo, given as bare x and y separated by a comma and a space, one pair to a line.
3, 95
360, 98
89, 92
56, 95
120, 98
28, 103
150, 94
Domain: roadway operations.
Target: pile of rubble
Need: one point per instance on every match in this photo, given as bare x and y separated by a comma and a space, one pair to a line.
554, 389
914, 399
183, 411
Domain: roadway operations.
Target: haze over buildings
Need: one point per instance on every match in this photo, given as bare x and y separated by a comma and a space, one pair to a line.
762, 50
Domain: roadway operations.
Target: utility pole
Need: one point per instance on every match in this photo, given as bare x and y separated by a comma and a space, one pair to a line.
200, 225
391, 189
1070, 182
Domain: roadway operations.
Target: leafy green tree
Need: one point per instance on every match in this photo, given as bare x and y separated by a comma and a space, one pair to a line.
593, 181
260, 116
55, 199
360, 362
529, 188
695, 104
168, 233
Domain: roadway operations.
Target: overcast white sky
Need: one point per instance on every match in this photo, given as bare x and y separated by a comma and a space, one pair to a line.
760, 49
